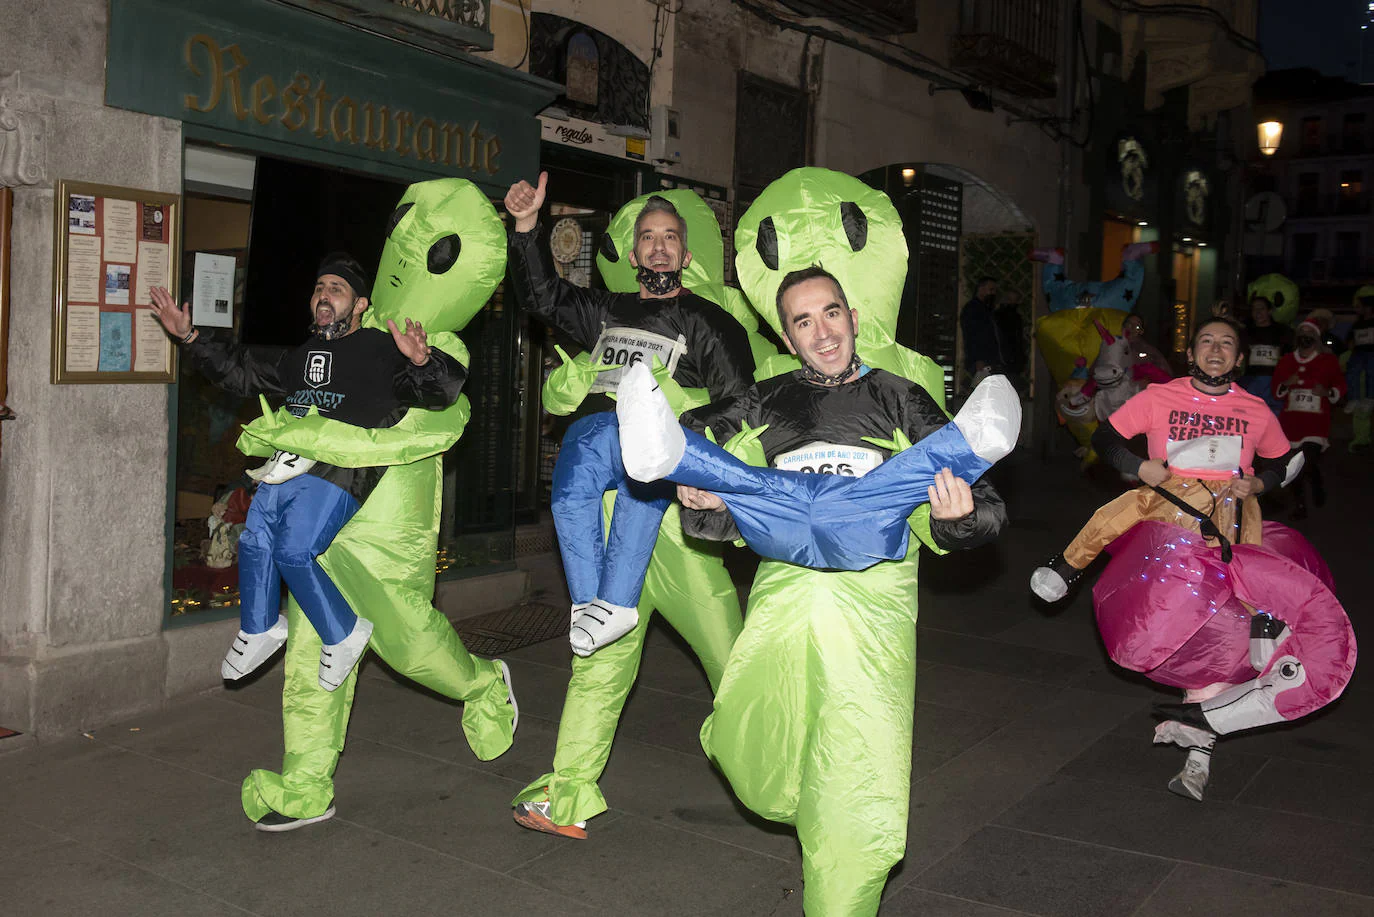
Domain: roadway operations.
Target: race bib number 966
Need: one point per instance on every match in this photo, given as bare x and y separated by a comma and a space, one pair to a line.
828, 458
621, 347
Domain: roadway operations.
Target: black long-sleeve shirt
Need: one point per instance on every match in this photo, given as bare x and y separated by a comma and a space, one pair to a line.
360, 379
799, 413
717, 356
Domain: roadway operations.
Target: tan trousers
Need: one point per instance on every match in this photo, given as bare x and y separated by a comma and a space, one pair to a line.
1116, 518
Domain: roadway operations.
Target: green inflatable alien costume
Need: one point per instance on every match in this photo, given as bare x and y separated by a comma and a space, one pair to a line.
813, 719
687, 581
383, 558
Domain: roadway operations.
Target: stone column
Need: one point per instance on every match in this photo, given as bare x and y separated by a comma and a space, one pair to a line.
83, 479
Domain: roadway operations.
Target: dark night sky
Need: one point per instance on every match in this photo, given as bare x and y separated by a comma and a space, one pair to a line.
1323, 34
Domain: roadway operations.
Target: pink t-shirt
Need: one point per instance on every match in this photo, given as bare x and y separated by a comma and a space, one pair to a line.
1201, 435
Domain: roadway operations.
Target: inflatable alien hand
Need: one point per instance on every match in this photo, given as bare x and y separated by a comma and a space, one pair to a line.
569, 384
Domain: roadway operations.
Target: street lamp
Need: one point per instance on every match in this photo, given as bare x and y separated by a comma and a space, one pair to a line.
1270, 133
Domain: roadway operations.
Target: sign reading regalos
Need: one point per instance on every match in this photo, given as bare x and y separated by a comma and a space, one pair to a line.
305, 103
280, 80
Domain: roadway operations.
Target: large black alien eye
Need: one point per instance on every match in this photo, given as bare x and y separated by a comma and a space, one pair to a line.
394, 220
855, 225
443, 253
766, 244
608, 248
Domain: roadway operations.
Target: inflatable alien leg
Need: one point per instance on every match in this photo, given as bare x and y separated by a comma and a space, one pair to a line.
696, 591
386, 565
314, 723
812, 724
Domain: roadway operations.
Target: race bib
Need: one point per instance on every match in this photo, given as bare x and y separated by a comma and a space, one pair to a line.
281, 467
1304, 400
1214, 453
1264, 354
622, 347
827, 458
1364, 337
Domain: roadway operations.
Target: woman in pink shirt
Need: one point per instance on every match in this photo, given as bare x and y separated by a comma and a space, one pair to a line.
1213, 448
1212, 445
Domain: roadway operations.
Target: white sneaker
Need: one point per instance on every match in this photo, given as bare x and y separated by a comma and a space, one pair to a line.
651, 440
577, 608
277, 822
510, 696
599, 625
1048, 585
1192, 780
990, 419
1172, 732
338, 660
248, 651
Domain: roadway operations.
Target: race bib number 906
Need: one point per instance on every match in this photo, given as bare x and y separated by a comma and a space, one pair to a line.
621, 347
828, 458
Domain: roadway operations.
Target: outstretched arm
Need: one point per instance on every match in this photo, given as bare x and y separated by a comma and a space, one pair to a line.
235, 368
538, 289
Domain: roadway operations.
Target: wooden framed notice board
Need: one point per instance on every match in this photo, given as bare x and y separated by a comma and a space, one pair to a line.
111, 246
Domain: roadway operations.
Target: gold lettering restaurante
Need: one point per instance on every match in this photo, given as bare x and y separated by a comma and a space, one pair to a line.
304, 103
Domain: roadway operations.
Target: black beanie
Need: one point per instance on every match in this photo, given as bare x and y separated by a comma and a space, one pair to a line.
346, 266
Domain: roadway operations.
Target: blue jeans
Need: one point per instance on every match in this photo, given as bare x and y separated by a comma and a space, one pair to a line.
289, 525
822, 521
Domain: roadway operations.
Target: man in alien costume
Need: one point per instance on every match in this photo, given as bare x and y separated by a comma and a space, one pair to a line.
686, 582
444, 255
813, 719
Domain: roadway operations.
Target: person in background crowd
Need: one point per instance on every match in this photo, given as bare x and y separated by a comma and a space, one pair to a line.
1309, 381
1268, 341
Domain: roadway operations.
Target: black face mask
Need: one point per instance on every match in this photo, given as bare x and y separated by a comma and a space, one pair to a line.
333, 330
1224, 379
659, 283
811, 374
1305, 342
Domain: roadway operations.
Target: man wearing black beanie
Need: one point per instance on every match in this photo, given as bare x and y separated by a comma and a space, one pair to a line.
345, 372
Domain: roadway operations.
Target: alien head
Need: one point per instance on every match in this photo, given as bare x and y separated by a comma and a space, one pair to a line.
1280, 291
704, 276
445, 253
816, 216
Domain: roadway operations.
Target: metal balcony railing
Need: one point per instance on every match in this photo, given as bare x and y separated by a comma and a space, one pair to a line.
473, 13
1009, 44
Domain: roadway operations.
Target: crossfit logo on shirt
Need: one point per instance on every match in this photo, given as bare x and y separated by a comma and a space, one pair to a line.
1192, 424
319, 367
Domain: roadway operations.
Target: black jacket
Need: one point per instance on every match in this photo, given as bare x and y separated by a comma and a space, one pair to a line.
717, 356
359, 379
799, 413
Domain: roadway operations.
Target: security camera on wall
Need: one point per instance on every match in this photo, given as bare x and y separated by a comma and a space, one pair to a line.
665, 138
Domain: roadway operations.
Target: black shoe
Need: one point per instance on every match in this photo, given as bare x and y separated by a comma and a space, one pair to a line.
277, 822
1052, 581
